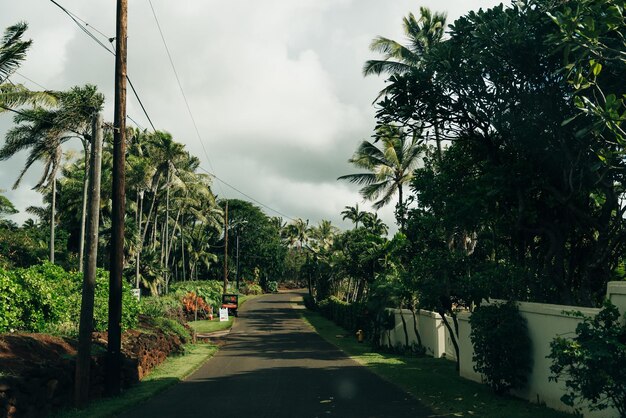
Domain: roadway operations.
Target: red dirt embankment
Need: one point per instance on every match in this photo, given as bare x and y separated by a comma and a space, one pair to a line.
37, 370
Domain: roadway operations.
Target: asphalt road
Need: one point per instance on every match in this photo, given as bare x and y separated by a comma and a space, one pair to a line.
274, 365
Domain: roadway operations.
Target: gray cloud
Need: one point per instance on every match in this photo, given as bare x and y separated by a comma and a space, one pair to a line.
275, 86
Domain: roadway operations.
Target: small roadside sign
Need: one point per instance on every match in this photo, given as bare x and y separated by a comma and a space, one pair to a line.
136, 293
223, 314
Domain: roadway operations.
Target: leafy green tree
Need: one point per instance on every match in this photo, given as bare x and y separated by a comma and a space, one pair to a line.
591, 362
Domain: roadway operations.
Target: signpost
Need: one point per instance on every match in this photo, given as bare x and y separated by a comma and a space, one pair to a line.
223, 314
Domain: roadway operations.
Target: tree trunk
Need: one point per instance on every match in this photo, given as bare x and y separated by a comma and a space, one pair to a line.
417, 334
167, 230
83, 359
52, 218
404, 328
139, 238
452, 337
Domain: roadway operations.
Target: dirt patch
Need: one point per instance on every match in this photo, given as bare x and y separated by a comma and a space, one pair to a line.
37, 370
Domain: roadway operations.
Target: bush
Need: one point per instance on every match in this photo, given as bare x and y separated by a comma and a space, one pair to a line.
350, 316
209, 290
173, 327
47, 298
272, 287
251, 289
168, 306
502, 346
309, 302
592, 363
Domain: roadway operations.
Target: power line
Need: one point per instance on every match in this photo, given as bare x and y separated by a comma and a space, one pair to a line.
32, 81
91, 35
246, 195
76, 19
180, 86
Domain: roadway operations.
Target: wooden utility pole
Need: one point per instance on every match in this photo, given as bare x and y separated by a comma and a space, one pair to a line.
114, 355
226, 248
83, 360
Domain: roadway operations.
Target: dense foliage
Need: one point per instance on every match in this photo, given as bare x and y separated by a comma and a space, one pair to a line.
47, 298
502, 346
592, 362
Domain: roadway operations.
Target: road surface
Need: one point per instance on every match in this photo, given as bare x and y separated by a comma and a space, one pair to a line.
274, 365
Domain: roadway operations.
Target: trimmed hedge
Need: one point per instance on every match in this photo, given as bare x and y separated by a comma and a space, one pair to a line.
350, 316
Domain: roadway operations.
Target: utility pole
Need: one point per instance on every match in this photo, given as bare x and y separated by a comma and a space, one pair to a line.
226, 248
83, 360
114, 355
237, 278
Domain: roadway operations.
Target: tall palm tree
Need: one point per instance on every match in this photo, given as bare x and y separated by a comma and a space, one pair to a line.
12, 52
376, 225
421, 33
354, 214
389, 161
324, 234
399, 60
36, 131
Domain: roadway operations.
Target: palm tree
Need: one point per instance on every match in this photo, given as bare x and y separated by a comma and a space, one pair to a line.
324, 235
36, 131
12, 52
399, 60
354, 214
389, 166
376, 225
421, 33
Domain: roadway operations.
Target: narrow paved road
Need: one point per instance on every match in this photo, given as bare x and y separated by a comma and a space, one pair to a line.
273, 365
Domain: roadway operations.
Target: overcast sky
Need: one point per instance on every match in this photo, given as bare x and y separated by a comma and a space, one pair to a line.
275, 86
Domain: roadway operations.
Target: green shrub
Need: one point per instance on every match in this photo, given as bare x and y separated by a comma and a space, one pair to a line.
309, 302
12, 301
350, 316
173, 327
272, 287
47, 298
592, 362
168, 306
502, 347
209, 290
251, 289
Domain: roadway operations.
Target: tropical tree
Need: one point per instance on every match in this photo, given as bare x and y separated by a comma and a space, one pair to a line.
354, 214
401, 62
12, 52
389, 161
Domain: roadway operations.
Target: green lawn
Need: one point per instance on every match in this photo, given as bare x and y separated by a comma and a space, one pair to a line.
171, 371
434, 382
206, 326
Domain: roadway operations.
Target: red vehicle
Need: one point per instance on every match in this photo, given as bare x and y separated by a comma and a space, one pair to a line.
230, 301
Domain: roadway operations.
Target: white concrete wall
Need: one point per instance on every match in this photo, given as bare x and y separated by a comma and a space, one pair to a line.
429, 325
545, 322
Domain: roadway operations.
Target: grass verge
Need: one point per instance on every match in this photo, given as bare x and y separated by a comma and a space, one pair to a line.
434, 382
206, 326
170, 372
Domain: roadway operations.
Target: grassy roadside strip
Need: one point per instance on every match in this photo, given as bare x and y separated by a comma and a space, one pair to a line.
171, 371
205, 326
434, 382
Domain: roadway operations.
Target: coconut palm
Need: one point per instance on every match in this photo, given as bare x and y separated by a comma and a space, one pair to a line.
376, 225
12, 53
324, 235
399, 60
354, 214
421, 33
389, 161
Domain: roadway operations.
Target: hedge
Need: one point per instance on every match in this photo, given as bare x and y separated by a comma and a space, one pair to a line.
350, 316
